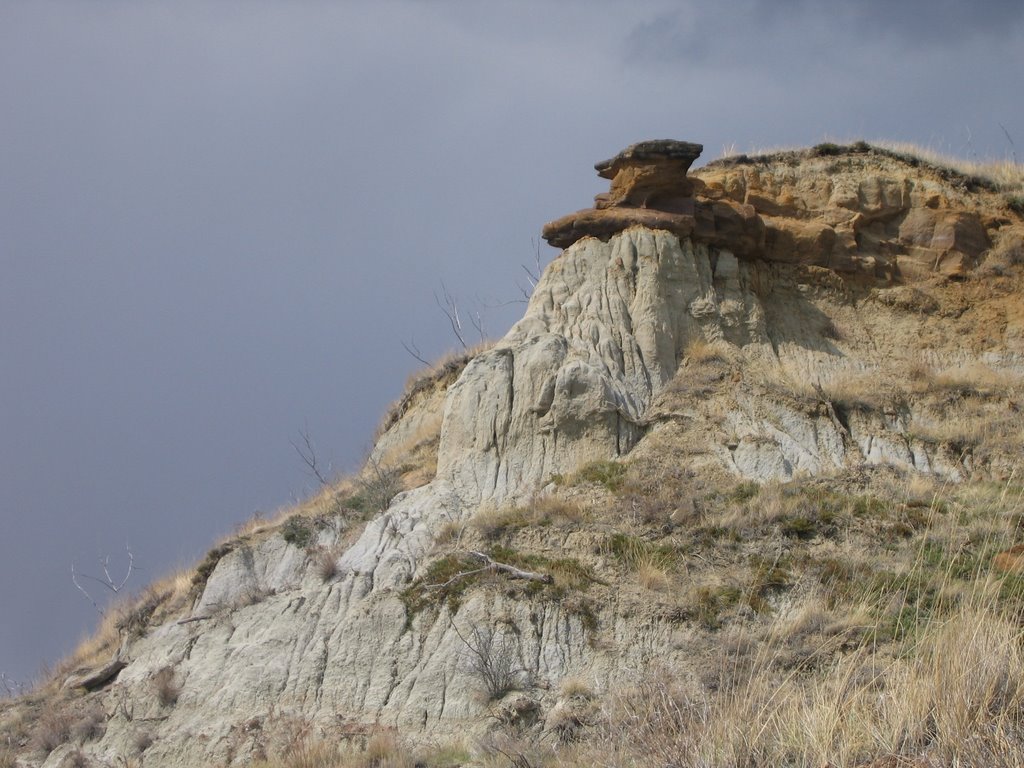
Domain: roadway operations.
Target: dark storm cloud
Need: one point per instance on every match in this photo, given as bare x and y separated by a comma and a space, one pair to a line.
738, 33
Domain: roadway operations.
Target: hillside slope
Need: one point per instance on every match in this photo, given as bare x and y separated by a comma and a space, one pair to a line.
750, 452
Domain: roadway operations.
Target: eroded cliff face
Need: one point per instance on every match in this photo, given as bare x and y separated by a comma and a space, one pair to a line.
786, 324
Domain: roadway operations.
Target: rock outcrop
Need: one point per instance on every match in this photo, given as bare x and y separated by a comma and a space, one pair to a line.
855, 211
650, 188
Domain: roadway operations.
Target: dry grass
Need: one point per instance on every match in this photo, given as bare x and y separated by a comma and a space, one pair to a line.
53, 728
492, 522
383, 749
700, 352
91, 724
1005, 173
652, 574
953, 693
575, 688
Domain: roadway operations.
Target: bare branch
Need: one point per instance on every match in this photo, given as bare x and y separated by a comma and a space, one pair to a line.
10, 686
477, 322
382, 484
511, 570
107, 581
307, 452
413, 350
491, 564
450, 307
494, 660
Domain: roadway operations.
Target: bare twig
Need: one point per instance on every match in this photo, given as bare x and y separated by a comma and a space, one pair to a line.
381, 486
307, 452
413, 350
447, 303
493, 660
511, 570
108, 581
10, 686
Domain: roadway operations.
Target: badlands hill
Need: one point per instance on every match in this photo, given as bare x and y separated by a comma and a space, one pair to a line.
742, 487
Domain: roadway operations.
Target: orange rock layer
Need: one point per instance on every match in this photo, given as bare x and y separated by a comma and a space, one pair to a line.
856, 209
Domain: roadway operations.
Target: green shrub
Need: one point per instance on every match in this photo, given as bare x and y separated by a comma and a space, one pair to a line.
827, 149
297, 530
744, 491
610, 474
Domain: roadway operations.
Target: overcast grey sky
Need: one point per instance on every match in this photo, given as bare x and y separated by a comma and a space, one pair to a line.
219, 220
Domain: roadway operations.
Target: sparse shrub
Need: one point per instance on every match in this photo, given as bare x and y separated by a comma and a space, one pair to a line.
90, 725
710, 602
800, 527
492, 658
380, 484
134, 620
744, 491
75, 759
1015, 203
253, 595
166, 687
52, 729
298, 531
628, 550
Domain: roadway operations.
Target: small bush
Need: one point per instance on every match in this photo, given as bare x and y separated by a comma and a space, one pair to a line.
575, 688
326, 560
298, 531
827, 149
1015, 203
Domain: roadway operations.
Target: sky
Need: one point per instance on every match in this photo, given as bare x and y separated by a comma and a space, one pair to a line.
220, 221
